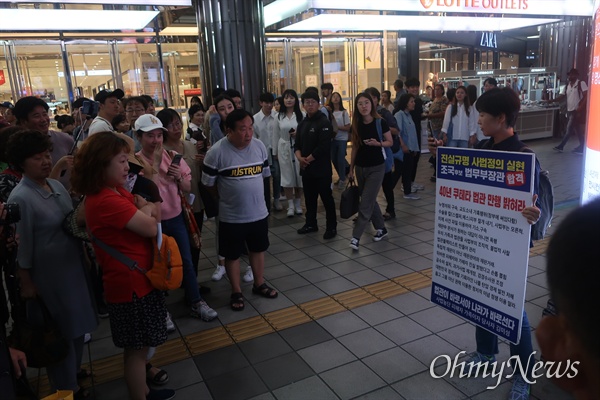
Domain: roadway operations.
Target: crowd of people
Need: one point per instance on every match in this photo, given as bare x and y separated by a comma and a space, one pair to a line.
113, 164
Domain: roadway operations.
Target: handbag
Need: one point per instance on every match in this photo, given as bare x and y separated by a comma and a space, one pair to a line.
41, 341
190, 222
166, 271
70, 225
350, 200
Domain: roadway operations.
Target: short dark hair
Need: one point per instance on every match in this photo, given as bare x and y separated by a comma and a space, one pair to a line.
573, 273
327, 85
79, 102
373, 91
399, 83
491, 81
149, 99
135, 99
194, 109
237, 115
233, 93
309, 94
117, 120
64, 120
388, 93
450, 94
403, 101
92, 159
312, 89
500, 101
412, 82
25, 144
266, 98
25, 105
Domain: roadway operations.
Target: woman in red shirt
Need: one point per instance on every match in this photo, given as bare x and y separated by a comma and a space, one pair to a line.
126, 223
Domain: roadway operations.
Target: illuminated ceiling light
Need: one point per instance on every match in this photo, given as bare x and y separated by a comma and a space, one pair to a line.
533, 37
11, 19
180, 31
282, 9
342, 22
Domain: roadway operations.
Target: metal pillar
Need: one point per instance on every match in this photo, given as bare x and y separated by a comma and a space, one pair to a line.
67, 72
232, 48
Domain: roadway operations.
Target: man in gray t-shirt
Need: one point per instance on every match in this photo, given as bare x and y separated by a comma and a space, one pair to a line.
236, 167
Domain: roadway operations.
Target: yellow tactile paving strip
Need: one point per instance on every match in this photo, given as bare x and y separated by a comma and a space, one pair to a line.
111, 368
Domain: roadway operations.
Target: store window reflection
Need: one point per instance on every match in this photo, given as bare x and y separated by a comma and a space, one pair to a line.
335, 66
305, 63
180, 61
40, 73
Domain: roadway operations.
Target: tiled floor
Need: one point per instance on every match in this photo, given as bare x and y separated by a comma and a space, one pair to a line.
343, 342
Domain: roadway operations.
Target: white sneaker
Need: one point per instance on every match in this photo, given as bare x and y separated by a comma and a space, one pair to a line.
290, 212
277, 205
248, 275
416, 186
354, 243
203, 311
411, 196
219, 272
170, 324
298, 210
87, 338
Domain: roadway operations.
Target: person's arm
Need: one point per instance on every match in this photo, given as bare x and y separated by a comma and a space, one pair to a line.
323, 147
215, 129
145, 219
391, 121
346, 117
473, 117
350, 174
65, 163
446, 123
387, 139
182, 174
403, 146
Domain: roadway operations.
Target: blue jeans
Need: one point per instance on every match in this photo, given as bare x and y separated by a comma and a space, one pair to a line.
487, 344
176, 228
463, 144
573, 128
338, 157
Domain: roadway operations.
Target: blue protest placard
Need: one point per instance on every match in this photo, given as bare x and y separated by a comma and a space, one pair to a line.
481, 246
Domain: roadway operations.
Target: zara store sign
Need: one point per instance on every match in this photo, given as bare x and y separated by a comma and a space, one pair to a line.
489, 40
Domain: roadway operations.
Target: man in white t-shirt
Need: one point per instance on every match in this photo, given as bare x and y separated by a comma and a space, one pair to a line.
576, 94
263, 125
109, 107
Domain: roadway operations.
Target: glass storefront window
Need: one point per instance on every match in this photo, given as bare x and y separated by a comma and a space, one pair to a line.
276, 67
180, 61
305, 64
5, 87
40, 73
335, 67
90, 66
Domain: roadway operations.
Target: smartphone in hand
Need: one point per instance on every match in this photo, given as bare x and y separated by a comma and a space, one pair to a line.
176, 159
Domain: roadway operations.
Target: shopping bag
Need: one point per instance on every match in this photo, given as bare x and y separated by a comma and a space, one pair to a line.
350, 200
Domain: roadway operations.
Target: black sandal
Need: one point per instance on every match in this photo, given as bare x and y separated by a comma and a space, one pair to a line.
237, 301
159, 379
265, 291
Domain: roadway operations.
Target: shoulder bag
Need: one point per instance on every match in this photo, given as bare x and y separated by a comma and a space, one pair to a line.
190, 220
350, 200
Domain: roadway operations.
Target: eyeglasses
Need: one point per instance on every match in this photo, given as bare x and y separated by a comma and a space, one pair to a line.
135, 110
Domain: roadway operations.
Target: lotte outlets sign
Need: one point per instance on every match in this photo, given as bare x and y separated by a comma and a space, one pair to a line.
529, 7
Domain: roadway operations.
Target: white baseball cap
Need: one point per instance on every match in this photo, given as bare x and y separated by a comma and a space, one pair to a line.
147, 123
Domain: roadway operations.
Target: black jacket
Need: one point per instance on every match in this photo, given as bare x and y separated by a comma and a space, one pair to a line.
313, 136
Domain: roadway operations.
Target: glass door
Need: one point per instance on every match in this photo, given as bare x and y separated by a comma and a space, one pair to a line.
336, 68
40, 72
91, 70
306, 64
